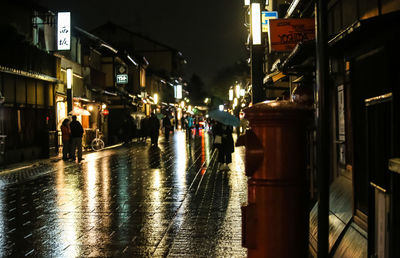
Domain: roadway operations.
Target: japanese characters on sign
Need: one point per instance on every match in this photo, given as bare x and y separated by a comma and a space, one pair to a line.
64, 31
284, 34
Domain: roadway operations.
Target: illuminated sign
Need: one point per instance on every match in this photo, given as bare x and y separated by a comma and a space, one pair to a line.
265, 16
284, 34
256, 23
64, 31
122, 78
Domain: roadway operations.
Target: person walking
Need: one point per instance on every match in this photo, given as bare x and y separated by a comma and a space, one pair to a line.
189, 126
66, 139
154, 127
223, 140
76, 139
167, 127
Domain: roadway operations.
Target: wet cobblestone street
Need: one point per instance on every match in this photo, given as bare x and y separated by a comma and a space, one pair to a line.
130, 201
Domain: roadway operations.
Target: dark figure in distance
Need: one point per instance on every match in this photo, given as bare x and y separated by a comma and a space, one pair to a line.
226, 146
76, 138
66, 139
154, 127
167, 127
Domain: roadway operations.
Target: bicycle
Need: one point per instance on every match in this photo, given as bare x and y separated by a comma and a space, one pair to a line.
97, 143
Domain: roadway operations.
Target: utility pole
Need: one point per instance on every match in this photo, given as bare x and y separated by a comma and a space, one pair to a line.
322, 91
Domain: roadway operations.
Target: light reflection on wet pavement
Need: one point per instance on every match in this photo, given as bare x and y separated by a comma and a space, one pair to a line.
131, 201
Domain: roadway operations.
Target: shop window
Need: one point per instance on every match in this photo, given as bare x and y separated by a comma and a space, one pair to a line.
9, 89
31, 92
40, 94
50, 94
21, 91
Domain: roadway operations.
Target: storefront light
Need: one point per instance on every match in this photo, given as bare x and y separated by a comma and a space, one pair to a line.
246, 2
230, 94
103, 106
90, 108
221, 107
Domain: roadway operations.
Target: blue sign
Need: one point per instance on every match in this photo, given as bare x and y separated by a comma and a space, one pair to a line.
265, 16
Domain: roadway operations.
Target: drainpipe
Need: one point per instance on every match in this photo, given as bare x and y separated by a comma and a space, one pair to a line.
322, 120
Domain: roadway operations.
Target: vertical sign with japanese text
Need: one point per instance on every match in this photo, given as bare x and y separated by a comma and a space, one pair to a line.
64, 31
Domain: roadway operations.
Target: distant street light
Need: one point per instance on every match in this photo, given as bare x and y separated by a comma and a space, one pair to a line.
221, 107
155, 98
237, 89
230, 94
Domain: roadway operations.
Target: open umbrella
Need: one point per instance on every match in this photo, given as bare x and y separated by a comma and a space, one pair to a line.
224, 118
78, 111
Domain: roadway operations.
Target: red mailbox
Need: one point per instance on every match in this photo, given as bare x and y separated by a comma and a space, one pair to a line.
275, 221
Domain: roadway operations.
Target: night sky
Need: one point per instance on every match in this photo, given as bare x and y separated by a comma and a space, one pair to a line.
209, 33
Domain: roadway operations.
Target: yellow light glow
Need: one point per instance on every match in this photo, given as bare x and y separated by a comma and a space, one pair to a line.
69, 78
237, 91
183, 104
155, 98
103, 106
90, 108
230, 94
256, 23
246, 2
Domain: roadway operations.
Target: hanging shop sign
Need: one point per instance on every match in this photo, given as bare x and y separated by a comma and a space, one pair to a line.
284, 34
64, 31
122, 78
265, 17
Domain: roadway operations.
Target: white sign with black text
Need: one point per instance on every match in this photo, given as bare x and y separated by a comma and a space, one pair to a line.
64, 31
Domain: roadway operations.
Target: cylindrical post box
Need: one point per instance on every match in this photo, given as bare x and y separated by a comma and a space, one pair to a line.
276, 219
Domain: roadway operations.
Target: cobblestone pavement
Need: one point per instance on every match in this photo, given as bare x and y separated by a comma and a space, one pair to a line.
131, 201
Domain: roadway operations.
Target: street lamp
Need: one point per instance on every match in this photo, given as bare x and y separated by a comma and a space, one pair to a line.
257, 53
69, 89
256, 23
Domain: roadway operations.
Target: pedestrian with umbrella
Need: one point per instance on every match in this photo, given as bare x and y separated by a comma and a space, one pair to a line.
222, 131
223, 141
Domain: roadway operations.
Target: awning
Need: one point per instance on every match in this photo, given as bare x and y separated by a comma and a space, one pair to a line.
372, 29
